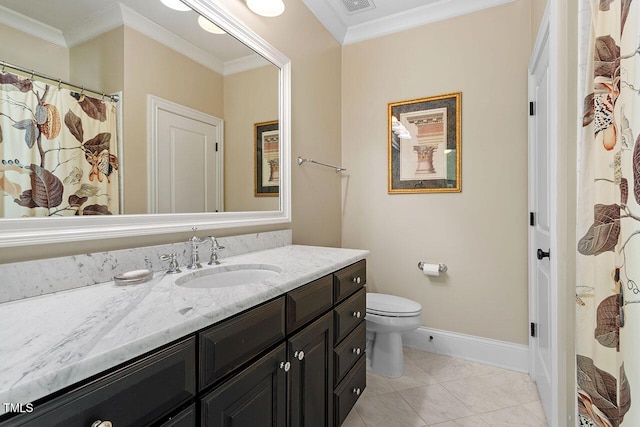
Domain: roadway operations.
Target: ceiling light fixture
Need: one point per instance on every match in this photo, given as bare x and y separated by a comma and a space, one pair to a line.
176, 5
209, 26
268, 8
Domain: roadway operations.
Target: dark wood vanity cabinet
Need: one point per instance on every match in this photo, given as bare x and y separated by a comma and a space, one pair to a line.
142, 393
295, 361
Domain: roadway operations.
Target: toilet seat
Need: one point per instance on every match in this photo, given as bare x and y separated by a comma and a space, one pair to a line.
392, 306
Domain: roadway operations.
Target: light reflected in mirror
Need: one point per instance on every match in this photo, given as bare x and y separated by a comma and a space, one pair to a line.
211, 92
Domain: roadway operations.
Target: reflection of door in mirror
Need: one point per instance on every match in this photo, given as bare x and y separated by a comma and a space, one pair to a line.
185, 172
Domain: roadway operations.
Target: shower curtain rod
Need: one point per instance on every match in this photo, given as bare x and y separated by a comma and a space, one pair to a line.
82, 90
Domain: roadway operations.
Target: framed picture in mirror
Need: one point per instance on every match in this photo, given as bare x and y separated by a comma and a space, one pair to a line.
267, 159
424, 145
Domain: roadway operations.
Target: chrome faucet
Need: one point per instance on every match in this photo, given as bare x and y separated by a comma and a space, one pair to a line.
214, 259
194, 258
173, 263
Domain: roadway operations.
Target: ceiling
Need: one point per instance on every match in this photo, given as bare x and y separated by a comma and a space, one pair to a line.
351, 21
70, 22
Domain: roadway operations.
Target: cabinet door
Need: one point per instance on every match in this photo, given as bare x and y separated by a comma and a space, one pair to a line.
311, 377
256, 397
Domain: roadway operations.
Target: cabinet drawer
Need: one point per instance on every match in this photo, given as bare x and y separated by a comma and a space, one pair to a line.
135, 395
349, 280
228, 345
186, 418
349, 390
349, 314
308, 302
349, 351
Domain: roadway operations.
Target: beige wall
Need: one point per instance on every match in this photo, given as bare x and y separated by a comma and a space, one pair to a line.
480, 233
152, 68
98, 64
316, 66
30, 52
250, 97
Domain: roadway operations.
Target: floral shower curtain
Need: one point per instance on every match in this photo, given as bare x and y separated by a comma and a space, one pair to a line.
608, 264
58, 151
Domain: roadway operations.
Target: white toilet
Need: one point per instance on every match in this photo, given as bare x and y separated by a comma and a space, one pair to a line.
388, 317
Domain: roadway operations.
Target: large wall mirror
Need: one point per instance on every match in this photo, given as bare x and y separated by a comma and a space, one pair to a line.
200, 134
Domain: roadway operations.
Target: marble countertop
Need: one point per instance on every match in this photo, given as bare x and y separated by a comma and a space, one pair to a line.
55, 340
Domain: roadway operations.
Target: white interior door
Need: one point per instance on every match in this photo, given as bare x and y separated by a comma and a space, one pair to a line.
541, 342
186, 161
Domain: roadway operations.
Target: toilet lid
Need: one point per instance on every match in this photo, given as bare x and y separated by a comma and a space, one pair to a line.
391, 305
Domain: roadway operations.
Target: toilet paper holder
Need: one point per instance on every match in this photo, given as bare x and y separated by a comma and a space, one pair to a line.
442, 268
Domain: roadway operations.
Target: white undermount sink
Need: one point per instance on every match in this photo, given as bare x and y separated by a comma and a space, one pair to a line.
225, 276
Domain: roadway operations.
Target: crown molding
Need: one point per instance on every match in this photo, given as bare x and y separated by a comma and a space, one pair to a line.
32, 27
163, 36
94, 26
246, 63
328, 16
430, 13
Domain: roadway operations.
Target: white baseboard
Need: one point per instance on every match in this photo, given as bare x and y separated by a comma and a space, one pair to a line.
484, 350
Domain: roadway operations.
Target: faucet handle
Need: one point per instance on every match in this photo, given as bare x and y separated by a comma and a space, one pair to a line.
214, 243
214, 258
173, 263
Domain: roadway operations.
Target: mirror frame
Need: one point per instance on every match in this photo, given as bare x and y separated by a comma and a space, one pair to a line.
31, 231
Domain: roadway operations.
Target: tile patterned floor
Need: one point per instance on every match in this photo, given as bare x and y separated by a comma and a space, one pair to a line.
440, 391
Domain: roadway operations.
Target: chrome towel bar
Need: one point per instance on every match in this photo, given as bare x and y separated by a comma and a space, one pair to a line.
337, 168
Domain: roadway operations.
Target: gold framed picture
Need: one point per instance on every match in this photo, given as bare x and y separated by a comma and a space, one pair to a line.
424, 145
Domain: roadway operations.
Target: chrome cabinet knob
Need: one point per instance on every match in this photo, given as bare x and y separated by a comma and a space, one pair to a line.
356, 314
299, 355
102, 424
357, 391
285, 366
356, 280
357, 351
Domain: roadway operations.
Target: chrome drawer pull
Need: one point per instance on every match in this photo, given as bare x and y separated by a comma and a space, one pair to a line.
356, 280
285, 366
356, 314
299, 355
101, 424
357, 391
357, 351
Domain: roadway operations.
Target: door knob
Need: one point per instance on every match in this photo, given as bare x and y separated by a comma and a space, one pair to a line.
299, 355
100, 423
542, 254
